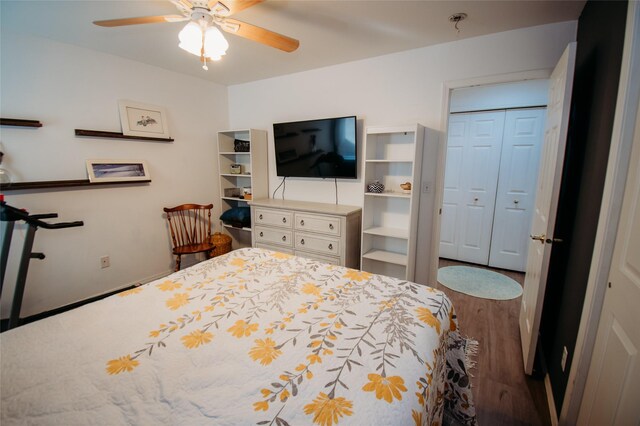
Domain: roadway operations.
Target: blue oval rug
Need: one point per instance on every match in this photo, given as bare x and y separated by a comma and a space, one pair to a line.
479, 282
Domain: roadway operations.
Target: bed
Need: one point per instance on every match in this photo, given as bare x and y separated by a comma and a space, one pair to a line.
250, 337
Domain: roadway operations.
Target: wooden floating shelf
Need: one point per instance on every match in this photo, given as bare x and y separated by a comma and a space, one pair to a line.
19, 123
50, 184
117, 135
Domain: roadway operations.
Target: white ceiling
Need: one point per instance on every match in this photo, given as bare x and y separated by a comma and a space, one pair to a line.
330, 32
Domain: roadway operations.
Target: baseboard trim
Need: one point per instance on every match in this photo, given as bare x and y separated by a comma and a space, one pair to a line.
552, 405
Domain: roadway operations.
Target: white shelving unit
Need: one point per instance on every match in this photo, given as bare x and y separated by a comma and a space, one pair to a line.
393, 155
254, 175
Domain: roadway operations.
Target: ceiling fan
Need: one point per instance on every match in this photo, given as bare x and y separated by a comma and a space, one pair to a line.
201, 36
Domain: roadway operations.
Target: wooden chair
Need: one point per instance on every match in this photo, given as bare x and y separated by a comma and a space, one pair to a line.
190, 226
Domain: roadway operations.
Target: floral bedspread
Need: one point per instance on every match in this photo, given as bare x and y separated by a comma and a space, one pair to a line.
251, 337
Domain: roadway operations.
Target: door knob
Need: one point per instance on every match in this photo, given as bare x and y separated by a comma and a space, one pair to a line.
553, 240
540, 238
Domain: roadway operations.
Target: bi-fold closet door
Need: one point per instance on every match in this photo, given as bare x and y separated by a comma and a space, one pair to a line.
489, 188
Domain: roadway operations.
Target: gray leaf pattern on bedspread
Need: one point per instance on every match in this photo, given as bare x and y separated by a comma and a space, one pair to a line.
250, 337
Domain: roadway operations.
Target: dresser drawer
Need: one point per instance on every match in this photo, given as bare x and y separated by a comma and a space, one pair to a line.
315, 256
280, 249
329, 225
266, 235
280, 218
316, 243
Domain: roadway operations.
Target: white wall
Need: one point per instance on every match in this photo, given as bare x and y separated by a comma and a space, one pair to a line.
66, 87
394, 89
500, 96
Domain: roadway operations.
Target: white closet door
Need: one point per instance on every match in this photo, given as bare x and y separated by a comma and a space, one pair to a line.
471, 176
453, 191
523, 136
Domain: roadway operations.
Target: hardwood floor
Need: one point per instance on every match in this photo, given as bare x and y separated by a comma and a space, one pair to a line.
503, 394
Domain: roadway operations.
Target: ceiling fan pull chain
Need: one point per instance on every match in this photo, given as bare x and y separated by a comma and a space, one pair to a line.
202, 57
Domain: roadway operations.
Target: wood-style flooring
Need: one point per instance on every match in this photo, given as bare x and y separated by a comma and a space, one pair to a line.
503, 394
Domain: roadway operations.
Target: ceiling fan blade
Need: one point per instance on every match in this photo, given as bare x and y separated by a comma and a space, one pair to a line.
252, 32
234, 6
184, 6
140, 20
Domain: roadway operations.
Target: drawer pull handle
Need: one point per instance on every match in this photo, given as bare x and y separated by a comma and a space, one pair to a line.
261, 234
260, 217
331, 226
284, 238
330, 246
284, 220
302, 223
302, 241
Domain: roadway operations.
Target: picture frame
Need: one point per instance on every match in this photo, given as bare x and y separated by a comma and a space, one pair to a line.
118, 171
143, 120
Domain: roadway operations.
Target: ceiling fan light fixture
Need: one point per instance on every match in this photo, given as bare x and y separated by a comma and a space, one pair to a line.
191, 38
203, 40
215, 45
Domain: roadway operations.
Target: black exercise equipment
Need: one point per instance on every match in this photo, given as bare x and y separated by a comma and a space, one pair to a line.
10, 215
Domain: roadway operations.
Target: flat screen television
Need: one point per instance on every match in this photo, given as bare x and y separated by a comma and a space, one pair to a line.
324, 148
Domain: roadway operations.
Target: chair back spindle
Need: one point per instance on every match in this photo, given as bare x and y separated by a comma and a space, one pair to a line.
190, 227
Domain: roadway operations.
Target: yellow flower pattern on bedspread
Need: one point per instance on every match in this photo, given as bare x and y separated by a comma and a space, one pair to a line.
320, 344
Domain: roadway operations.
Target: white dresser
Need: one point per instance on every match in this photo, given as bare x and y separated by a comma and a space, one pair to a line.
325, 232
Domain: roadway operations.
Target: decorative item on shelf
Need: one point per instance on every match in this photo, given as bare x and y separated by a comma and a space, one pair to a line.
376, 187
238, 217
406, 187
247, 193
117, 170
143, 120
222, 244
236, 169
5, 177
240, 145
233, 192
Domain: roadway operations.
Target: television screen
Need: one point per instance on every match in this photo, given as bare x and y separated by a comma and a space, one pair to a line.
323, 148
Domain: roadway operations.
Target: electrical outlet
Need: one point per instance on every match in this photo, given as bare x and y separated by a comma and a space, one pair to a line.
565, 354
104, 262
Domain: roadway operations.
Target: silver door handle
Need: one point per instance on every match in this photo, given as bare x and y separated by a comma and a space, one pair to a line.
540, 238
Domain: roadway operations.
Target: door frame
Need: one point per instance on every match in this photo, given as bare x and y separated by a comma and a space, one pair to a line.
447, 88
617, 167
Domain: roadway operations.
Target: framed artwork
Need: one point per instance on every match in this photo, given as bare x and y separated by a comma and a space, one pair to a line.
117, 171
143, 120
